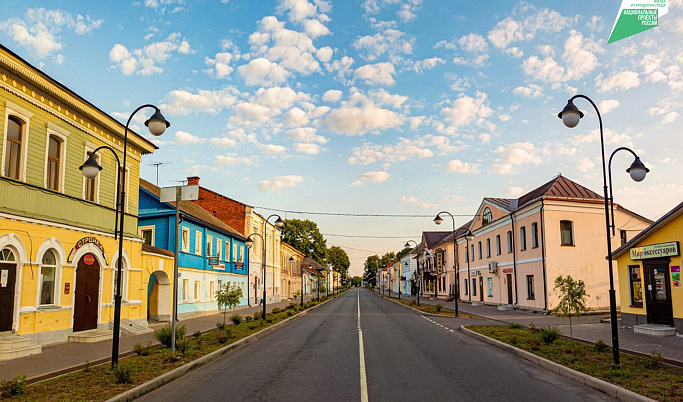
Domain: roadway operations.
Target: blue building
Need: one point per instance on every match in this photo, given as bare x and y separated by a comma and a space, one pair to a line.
202, 235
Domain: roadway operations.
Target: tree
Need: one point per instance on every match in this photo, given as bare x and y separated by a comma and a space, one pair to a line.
339, 259
372, 265
403, 253
228, 298
573, 298
356, 281
305, 236
388, 258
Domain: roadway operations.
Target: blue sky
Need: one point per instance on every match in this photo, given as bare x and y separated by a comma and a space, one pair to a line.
373, 106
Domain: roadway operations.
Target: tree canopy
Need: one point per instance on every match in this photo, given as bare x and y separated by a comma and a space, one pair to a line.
339, 259
305, 236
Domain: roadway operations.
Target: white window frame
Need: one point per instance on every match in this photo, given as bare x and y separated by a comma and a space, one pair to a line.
89, 147
240, 257
234, 252
219, 247
185, 246
124, 276
209, 246
12, 109
150, 227
571, 233
62, 134
58, 277
212, 290
198, 245
197, 293
186, 290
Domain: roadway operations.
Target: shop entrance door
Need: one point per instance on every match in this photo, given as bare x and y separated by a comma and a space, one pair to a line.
658, 293
86, 300
509, 283
481, 288
8, 274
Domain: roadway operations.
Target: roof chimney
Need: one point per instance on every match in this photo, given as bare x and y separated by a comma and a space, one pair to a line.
191, 181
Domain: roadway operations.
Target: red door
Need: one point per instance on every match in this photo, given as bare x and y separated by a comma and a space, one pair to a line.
8, 275
86, 294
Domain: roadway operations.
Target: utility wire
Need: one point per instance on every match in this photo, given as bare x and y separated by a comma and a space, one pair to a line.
357, 215
370, 237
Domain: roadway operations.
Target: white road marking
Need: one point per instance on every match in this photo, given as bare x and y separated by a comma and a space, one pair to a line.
363, 377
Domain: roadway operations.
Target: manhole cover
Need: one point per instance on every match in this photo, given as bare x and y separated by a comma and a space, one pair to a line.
648, 346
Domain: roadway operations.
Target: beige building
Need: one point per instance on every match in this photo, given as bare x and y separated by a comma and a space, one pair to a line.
519, 246
290, 273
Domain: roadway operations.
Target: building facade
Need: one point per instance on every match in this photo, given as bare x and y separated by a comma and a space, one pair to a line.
408, 269
57, 248
519, 246
211, 254
290, 270
649, 270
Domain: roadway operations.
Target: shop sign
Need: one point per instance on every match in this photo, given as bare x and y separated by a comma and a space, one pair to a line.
4, 277
87, 240
669, 249
507, 270
219, 267
88, 259
67, 288
213, 260
676, 276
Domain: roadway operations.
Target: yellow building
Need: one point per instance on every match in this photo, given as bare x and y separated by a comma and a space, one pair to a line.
57, 246
649, 269
290, 270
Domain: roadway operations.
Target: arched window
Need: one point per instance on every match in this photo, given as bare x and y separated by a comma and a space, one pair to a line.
48, 276
124, 278
6, 255
15, 134
487, 217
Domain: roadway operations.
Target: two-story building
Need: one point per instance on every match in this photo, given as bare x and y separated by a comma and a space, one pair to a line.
431, 262
518, 246
211, 254
408, 270
58, 253
290, 263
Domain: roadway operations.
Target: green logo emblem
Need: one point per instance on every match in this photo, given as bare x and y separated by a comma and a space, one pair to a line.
635, 17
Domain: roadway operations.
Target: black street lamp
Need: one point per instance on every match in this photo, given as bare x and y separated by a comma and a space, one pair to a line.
438, 221
156, 124
468, 236
570, 116
249, 242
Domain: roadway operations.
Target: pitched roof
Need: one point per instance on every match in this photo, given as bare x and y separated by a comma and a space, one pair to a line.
195, 211
156, 250
559, 187
432, 238
668, 217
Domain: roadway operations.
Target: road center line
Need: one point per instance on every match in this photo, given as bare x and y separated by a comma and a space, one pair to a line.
363, 378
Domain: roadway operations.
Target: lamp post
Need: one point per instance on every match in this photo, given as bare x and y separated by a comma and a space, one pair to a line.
570, 116
468, 236
407, 245
156, 124
438, 221
278, 224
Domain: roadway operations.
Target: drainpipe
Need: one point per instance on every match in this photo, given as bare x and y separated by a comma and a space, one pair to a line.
545, 280
514, 256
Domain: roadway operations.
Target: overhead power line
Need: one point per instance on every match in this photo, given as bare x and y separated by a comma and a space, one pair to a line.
356, 215
370, 237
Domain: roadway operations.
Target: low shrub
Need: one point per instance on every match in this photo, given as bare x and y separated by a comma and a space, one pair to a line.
197, 334
220, 326
163, 335
248, 318
600, 346
292, 306
549, 334
254, 324
290, 313
168, 357
184, 345
654, 360
439, 307
14, 387
221, 337
140, 350
257, 315
275, 310
123, 373
87, 368
270, 318
532, 328
514, 340
514, 325
236, 319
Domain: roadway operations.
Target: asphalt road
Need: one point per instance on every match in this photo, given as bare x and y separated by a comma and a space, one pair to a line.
406, 357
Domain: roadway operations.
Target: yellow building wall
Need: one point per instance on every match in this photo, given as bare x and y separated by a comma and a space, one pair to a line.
672, 231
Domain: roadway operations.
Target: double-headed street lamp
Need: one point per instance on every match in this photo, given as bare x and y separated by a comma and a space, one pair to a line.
438, 221
278, 224
468, 236
156, 124
570, 116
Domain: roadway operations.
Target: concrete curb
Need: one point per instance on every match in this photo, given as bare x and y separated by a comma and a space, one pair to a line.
612, 390
178, 372
414, 309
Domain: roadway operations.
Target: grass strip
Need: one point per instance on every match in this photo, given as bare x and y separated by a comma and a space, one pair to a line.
647, 376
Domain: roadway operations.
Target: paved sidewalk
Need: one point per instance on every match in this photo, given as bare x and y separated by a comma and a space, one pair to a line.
587, 328
61, 356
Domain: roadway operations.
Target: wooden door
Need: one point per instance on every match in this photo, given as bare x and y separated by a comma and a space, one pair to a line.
8, 273
658, 294
86, 304
481, 288
509, 281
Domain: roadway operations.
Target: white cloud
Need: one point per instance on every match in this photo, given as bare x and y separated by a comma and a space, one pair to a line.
611, 137
183, 102
617, 81
263, 72
392, 42
332, 95
516, 154
409, 200
530, 91
464, 111
665, 109
407, 9
427, 64
324, 54
376, 74
305, 134
405, 149
458, 166
147, 60
515, 191
546, 69
39, 31
384, 98
223, 142
220, 64
295, 117
371, 177
585, 165
608, 105
473, 43
308, 149
309, 15
185, 138
233, 160
280, 183
360, 115
510, 30
272, 149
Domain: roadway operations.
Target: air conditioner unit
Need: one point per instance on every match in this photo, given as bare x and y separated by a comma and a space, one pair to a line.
493, 267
